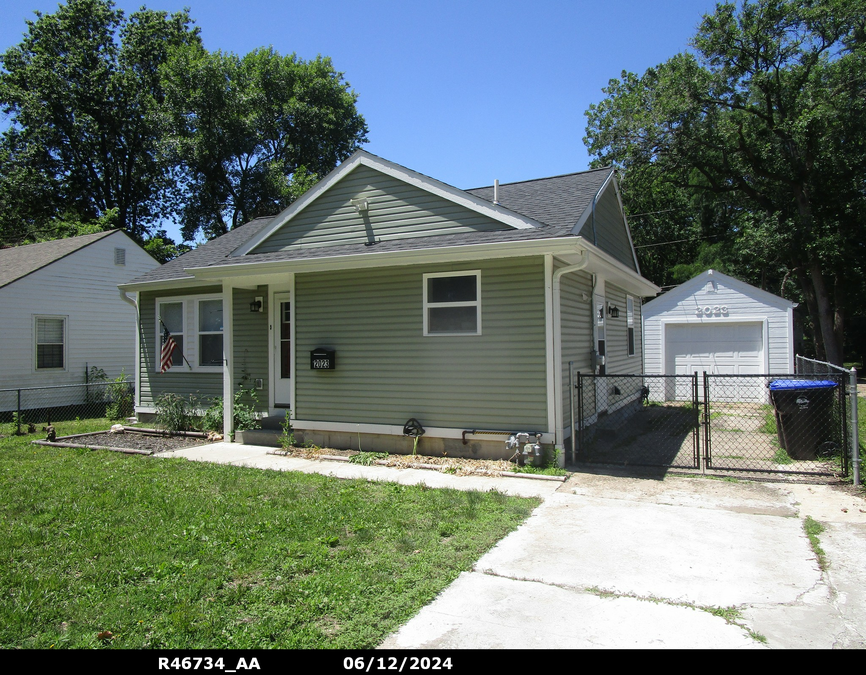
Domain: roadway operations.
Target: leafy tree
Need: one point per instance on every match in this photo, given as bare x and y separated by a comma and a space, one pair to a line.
252, 133
83, 93
163, 248
765, 123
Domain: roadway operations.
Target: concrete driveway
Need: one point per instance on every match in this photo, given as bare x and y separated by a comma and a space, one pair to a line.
625, 562
617, 562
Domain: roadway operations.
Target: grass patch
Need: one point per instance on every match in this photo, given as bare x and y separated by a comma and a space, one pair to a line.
101, 549
782, 457
549, 467
812, 529
367, 458
769, 425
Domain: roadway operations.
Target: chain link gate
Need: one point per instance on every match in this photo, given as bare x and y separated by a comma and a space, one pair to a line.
636, 420
775, 424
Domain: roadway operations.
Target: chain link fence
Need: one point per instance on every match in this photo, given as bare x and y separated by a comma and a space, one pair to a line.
34, 407
796, 426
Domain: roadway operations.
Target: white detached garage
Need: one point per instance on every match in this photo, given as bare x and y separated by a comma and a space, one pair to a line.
720, 325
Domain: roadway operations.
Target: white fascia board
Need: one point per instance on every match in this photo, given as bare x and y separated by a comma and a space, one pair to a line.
394, 430
460, 253
431, 185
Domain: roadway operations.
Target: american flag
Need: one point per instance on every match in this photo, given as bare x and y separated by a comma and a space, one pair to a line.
168, 347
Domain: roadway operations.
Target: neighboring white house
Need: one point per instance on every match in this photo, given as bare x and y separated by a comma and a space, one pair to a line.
61, 310
720, 325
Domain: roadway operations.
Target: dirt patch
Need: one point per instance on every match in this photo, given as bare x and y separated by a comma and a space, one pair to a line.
130, 440
456, 465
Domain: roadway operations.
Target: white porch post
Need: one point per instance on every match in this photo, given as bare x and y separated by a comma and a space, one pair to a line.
228, 362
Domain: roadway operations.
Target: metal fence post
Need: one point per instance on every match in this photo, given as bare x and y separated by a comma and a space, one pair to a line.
855, 430
18, 413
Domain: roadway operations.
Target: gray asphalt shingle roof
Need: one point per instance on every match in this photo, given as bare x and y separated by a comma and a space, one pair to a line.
557, 202
19, 261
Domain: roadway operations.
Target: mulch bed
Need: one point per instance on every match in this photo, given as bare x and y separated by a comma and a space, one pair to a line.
133, 441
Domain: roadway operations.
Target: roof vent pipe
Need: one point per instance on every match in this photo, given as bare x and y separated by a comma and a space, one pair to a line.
496, 192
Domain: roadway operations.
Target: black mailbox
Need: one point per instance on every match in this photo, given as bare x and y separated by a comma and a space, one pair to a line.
323, 359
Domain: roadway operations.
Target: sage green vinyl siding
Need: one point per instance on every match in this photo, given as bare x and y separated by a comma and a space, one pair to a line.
611, 235
178, 379
576, 322
387, 371
616, 333
251, 343
397, 210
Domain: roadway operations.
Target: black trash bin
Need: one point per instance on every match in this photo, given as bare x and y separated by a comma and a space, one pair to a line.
804, 415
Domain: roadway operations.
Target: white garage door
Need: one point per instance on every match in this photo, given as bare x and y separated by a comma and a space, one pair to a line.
718, 348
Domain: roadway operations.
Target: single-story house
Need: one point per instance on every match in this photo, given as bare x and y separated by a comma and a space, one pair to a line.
720, 325
62, 312
383, 295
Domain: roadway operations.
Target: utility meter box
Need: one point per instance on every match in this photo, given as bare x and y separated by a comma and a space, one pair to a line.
323, 359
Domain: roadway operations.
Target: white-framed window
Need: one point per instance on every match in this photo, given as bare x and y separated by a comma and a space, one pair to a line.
50, 332
629, 314
452, 303
196, 324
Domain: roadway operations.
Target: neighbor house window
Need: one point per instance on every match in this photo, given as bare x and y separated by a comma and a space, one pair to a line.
629, 313
196, 324
50, 342
452, 303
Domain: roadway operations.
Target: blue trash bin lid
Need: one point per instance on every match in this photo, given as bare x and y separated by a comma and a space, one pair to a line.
777, 385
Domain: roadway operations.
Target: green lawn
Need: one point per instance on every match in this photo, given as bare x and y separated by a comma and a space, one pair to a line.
99, 549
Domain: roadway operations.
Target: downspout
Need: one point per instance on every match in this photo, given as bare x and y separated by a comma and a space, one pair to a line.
137, 362
557, 337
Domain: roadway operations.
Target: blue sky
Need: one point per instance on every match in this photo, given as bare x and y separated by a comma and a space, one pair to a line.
465, 92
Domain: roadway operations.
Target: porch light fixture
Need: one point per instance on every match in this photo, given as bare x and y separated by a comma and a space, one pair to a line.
613, 311
257, 305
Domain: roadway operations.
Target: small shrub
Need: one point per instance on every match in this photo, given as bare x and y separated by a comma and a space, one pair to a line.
287, 438
212, 420
172, 413
120, 397
245, 415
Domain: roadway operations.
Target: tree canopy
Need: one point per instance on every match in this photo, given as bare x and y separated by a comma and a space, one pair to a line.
253, 133
129, 122
754, 143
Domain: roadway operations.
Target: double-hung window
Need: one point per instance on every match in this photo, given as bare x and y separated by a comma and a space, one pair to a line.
50, 342
196, 324
452, 303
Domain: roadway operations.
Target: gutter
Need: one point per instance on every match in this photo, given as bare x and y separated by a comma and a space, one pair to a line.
137, 362
557, 344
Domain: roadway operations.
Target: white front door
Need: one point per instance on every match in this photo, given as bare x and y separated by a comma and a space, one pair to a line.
282, 349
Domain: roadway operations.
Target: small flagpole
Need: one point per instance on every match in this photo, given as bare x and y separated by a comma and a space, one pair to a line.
182, 355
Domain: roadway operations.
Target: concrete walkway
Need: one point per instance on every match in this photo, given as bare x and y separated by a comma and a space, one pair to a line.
624, 562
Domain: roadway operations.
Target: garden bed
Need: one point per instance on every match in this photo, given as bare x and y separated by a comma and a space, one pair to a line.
130, 441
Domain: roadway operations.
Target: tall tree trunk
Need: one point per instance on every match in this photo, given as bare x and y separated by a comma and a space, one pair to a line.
826, 315
812, 307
